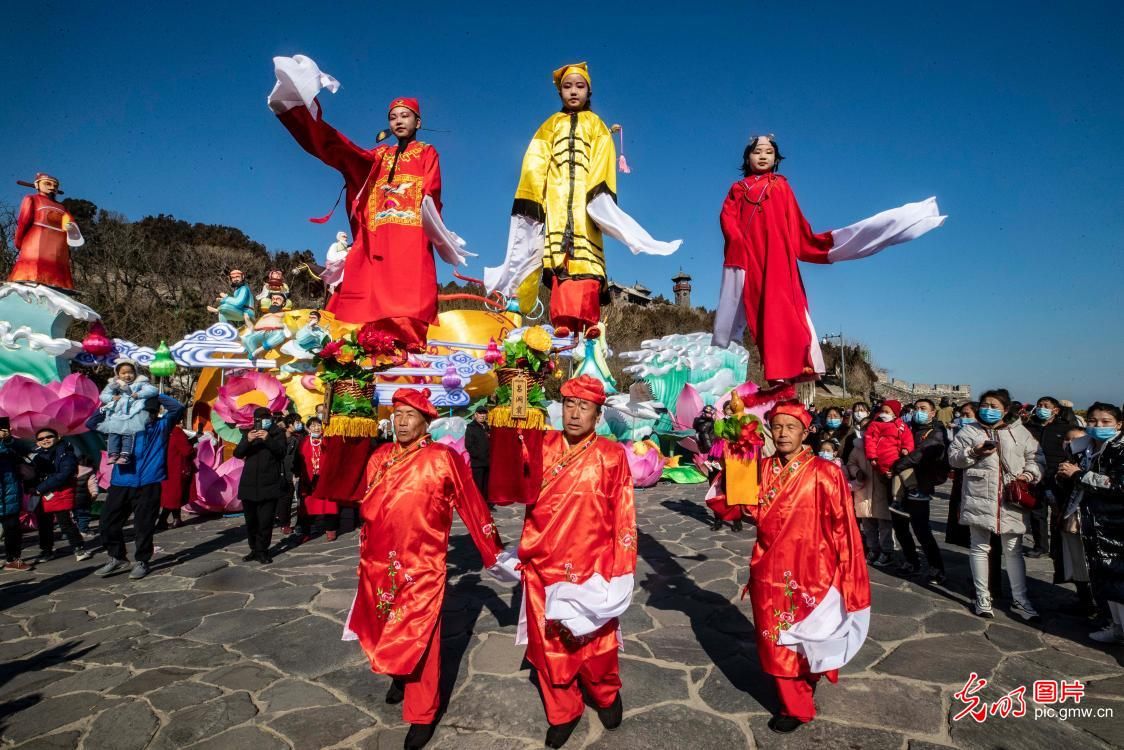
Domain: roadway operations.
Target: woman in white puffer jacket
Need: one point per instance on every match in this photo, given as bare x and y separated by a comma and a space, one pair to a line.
994, 452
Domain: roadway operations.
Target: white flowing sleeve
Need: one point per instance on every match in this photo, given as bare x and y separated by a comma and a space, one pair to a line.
871, 236
448, 245
829, 636
585, 607
299, 80
504, 570
525, 240
623, 228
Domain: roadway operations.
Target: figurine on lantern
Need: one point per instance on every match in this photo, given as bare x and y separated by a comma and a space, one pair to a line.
45, 233
236, 308
269, 331
274, 284
333, 268
123, 401
305, 344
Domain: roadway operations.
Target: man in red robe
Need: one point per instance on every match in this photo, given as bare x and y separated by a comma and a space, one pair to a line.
807, 578
44, 235
393, 198
578, 558
413, 487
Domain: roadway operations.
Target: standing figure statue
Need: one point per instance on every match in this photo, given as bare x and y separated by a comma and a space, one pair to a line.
44, 235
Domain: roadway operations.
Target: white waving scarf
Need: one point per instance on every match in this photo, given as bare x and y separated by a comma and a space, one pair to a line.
299, 80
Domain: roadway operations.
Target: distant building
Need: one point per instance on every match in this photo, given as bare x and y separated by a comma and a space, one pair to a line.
682, 288
637, 294
887, 386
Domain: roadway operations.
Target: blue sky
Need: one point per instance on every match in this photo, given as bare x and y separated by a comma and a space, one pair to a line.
1011, 114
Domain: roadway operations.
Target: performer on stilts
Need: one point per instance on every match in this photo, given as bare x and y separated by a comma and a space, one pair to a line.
807, 578
766, 234
393, 196
413, 485
578, 558
567, 196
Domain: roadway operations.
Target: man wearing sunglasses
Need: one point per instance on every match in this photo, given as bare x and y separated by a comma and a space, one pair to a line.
56, 476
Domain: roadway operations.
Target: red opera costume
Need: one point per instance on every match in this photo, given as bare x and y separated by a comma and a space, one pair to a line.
407, 513
41, 232
578, 557
390, 275
808, 579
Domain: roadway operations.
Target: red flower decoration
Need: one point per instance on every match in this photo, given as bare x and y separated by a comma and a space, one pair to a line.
331, 350
375, 341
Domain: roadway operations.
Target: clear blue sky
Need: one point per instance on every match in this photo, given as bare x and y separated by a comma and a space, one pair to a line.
1012, 116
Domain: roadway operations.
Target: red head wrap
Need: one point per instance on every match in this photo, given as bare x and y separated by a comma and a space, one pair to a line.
408, 102
585, 387
895, 406
415, 400
791, 408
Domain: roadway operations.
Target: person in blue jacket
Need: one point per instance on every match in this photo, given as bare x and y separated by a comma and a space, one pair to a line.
135, 489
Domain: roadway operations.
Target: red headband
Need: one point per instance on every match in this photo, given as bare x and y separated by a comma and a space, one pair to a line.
585, 387
415, 400
408, 102
791, 408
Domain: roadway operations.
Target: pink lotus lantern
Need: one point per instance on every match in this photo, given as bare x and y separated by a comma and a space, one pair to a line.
216, 481
96, 343
63, 406
242, 394
645, 462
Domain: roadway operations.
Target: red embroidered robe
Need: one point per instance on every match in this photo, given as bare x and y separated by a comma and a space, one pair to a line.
44, 256
765, 235
808, 579
407, 513
578, 556
390, 271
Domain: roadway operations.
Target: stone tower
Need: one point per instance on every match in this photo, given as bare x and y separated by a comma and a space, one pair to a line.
682, 289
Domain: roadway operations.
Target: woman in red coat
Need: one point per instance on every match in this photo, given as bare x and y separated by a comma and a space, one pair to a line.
174, 489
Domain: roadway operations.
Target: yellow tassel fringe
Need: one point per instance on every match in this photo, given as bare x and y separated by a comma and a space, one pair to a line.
352, 427
500, 416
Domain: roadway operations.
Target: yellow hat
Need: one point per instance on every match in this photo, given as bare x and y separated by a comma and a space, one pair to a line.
579, 68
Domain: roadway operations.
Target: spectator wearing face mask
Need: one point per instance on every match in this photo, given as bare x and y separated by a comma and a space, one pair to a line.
872, 509
886, 440
915, 476
859, 413
294, 436
833, 427
828, 450
262, 448
994, 453
1098, 476
1067, 534
1049, 424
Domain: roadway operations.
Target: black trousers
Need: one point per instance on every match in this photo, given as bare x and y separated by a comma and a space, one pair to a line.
46, 523
1040, 526
13, 537
918, 521
143, 503
259, 523
480, 478
285, 506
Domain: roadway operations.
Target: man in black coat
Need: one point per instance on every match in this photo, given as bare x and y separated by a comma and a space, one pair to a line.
478, 444
56, 469
262, 448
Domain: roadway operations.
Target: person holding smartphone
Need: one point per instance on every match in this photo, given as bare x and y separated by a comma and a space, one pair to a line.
262, 448
994, 452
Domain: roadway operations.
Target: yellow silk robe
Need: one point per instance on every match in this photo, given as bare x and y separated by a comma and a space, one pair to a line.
570, 161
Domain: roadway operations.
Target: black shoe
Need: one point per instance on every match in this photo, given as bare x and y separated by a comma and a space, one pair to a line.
396, 693
43, 557
784, 724
937, 577
737, 525
906, 570
264, 558
557, 735
419, 735
249, 557
611, 717
717, 525
1034, 554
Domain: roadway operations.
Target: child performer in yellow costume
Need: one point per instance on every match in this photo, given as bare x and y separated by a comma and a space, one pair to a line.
567, 196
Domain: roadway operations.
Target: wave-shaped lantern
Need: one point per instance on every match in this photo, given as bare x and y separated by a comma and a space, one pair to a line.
241, 394
216, 481
63, 406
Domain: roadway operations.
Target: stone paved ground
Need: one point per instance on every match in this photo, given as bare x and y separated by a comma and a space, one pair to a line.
209, 652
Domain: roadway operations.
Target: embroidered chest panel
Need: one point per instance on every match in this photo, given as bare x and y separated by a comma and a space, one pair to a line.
397, 202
